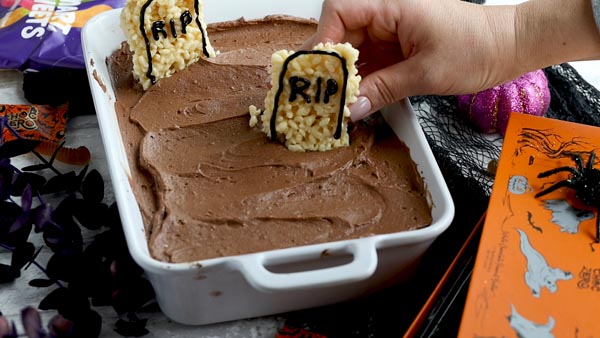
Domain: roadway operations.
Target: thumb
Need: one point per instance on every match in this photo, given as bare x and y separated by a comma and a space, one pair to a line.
384, 87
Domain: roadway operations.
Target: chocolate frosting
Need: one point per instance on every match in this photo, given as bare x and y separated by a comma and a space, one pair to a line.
208, 185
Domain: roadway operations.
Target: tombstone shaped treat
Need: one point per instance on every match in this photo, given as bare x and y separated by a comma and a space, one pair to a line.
307, 106
169, 33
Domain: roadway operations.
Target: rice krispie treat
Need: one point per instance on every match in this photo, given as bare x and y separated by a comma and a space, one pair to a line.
170, 33
307, 106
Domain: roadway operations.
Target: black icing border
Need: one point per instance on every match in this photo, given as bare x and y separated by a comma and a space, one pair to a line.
147, 40
338, 129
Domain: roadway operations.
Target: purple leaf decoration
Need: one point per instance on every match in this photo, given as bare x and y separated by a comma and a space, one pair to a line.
53, 300
42, 215
32, 323
17, 147
8, 274
23, 179
22, 223
26, 198
93, 187
8, 214
6, 178
41, 282
22, 255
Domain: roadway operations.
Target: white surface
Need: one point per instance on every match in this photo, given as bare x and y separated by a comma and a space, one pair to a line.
589, 70
246, 287
15, 296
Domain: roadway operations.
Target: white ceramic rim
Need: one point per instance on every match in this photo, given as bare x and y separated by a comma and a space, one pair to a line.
102, 35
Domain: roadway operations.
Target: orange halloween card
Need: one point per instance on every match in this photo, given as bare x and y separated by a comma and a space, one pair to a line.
537, 269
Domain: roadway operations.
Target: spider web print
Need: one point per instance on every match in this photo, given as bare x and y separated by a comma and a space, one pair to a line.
461, 150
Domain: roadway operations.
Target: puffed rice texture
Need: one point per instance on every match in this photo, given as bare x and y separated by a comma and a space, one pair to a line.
307, 107
174, 46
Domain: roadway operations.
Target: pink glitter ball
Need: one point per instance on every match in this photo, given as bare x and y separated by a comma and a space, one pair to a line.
489, 110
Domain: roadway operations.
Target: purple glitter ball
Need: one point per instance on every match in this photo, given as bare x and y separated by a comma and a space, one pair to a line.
490, 109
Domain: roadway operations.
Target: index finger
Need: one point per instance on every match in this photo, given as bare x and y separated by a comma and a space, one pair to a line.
342, 21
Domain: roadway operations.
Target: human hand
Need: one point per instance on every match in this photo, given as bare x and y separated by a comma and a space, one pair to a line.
416, 47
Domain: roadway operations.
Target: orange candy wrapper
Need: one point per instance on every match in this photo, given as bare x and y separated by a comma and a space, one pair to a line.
293, 332
537, 270
36, 122
43, 123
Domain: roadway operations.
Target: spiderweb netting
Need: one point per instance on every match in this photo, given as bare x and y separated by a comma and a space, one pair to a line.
461, 150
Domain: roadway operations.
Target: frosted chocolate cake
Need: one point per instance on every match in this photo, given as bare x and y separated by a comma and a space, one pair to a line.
209, 185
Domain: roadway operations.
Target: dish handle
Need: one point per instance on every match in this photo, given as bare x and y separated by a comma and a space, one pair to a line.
361, 267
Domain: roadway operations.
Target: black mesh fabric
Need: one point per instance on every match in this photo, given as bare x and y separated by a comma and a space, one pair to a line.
460, 150
572, 98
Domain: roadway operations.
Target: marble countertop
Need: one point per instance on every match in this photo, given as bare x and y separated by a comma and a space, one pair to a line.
83, 130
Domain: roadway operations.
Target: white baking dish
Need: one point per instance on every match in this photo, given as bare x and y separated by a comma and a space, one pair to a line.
270, 282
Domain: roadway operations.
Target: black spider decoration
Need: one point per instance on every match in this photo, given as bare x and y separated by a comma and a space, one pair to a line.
584, 180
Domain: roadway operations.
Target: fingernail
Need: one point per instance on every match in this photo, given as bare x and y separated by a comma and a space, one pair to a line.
360, 108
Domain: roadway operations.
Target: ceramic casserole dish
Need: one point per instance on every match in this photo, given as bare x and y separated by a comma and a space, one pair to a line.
257, 284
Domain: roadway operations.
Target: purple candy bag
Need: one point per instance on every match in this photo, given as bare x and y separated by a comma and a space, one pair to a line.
42, 34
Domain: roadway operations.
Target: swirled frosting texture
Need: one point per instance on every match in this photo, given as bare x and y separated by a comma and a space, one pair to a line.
209, 186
